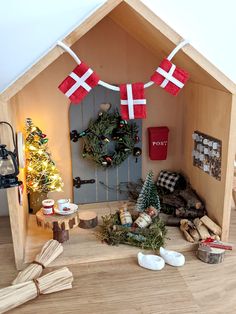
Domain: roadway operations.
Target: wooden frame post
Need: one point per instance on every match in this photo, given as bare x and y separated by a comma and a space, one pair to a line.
18, 213
229, 171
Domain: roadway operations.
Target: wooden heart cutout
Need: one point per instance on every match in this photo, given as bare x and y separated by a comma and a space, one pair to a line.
105, 107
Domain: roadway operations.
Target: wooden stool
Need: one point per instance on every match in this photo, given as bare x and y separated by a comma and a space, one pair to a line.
59, 224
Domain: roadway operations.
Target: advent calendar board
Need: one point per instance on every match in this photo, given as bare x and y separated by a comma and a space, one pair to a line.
207, 154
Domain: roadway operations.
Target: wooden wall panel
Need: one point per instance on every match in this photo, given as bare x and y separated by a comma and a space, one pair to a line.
209, 111
117, 58
18, 214
229, 170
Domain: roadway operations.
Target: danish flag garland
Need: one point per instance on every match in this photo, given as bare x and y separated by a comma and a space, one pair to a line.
133, 103
169, 77
79, 83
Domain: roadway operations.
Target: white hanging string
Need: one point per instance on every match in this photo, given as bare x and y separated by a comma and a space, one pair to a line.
113, 87
177, 48
70, 51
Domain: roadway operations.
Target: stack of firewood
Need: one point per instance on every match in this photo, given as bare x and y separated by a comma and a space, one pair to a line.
200, 229
186, 203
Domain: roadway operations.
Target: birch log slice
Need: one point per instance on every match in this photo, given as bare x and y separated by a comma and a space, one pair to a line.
88, 219
210, 255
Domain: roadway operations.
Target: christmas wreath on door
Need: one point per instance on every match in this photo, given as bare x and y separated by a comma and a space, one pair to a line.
109, 140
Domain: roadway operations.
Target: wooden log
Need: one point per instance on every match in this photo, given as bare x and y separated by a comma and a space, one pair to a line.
170, 220
88, 219
211, 225
194, 234
191, 198
202, 229
173, 200
187, 235
210, 255
60, 234
189, 213
184, 227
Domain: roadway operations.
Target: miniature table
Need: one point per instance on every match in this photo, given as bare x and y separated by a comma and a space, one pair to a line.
59, 224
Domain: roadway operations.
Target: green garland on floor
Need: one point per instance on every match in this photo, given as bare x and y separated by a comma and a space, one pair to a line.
109, 140
113, 233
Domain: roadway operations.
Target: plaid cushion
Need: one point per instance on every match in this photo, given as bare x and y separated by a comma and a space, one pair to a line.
168, 179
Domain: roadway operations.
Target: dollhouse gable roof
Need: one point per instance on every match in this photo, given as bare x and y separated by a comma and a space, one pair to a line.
141, 23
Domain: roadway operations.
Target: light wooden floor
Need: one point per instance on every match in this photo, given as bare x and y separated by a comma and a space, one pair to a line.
121, 286
83, 246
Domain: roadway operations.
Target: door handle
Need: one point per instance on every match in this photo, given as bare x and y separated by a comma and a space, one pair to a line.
77, 182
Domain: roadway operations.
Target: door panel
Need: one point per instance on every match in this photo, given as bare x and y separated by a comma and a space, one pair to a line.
129, 170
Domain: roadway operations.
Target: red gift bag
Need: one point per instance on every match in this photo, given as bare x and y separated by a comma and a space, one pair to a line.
170, 77
158, 142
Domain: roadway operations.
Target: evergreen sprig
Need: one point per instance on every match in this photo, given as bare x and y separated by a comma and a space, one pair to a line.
152, 237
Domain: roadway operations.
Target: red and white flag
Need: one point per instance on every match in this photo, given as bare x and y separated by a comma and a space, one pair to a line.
132, 103
79, 83
169, 77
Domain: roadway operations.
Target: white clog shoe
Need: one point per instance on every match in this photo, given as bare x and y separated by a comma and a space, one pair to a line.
152, 262
172, 258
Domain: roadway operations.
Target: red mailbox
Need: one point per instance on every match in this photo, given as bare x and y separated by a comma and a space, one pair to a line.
158, 142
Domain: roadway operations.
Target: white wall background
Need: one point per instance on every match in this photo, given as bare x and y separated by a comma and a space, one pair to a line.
28, 28
210, 25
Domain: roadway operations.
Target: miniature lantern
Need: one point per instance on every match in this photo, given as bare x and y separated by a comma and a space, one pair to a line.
8, 165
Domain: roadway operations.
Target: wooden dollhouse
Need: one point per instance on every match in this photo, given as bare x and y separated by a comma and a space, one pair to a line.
124, 41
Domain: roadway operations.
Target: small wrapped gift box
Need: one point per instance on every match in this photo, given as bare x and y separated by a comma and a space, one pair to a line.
169, 77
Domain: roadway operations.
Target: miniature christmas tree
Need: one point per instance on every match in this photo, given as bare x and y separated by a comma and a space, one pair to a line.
148, 195
41, 173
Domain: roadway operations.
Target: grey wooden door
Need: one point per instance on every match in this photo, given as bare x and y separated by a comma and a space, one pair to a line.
129, 170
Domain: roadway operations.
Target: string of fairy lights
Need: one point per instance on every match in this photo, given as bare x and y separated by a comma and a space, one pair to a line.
42, 174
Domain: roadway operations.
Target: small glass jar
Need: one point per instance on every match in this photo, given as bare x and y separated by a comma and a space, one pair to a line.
125, 217
48, 207
142, 221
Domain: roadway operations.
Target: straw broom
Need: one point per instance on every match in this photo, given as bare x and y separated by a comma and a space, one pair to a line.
50, 251
13, 296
